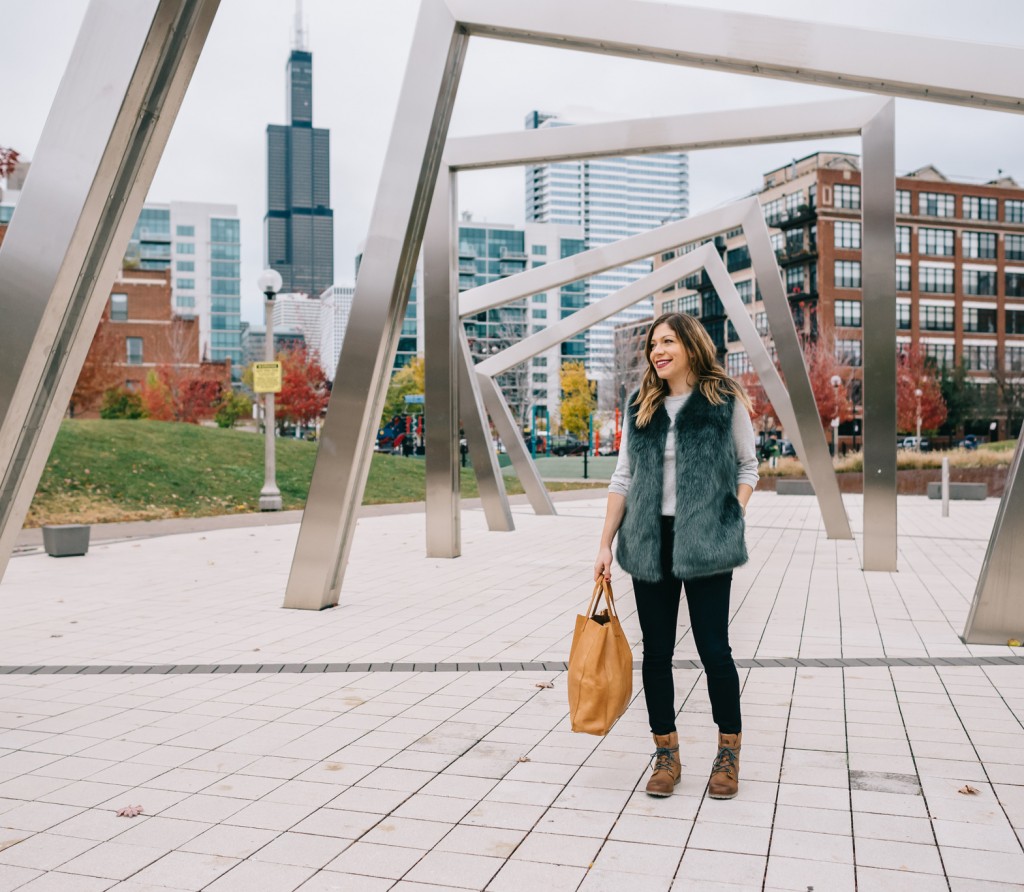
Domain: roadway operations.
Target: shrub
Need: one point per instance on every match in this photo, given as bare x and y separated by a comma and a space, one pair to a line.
231, 408
119, 402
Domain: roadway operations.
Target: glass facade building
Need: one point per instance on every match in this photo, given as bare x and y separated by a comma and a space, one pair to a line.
610, 199
299, 224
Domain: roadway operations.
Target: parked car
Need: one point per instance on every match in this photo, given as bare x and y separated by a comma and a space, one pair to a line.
786, 448
912, 443
968, 442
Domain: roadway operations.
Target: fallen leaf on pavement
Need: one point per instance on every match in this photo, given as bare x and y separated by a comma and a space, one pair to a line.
544, 684
523, 759
7, 843
967, 790
129, 811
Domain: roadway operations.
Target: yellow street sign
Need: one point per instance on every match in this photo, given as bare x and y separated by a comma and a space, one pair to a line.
266, 377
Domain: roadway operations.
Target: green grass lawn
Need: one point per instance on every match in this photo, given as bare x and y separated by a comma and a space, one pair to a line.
106, 471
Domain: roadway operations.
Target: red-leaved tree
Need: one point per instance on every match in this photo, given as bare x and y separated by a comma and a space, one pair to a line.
171, 394
8, 161
304, 392
914, 372
762, 413
822, 367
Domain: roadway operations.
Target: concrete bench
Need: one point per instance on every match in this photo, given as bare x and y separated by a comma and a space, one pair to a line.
800, 486
972, 491
66, 540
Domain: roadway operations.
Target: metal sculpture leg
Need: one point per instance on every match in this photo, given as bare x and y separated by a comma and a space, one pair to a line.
440, 318
810, 439
382, 289
536, 492
997, 611
879, 312
96, 158
478, 441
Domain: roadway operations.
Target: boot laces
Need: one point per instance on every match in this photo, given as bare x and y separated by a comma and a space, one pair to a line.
725, 762
662, 758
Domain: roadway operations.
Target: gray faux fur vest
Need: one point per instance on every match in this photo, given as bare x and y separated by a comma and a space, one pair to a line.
709, 521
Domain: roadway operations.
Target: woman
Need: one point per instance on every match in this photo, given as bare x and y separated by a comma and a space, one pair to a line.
686, 470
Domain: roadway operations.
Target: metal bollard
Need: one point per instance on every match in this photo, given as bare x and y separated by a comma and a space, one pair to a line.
945, 486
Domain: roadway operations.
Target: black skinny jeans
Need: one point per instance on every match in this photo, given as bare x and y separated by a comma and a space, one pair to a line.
657, 607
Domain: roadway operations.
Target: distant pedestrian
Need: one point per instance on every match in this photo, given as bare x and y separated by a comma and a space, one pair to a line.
773, 453
686, 469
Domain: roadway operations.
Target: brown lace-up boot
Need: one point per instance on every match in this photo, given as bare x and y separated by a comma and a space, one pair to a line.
667, 768
725, 773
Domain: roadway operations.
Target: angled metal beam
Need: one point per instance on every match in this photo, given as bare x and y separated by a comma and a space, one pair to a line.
389, 261
99, 149
879, 354
997, 610
986, 75
489, 480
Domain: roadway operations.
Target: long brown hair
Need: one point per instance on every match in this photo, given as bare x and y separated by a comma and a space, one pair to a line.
712, 379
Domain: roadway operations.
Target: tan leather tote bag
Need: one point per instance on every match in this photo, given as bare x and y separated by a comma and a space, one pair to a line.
600, 667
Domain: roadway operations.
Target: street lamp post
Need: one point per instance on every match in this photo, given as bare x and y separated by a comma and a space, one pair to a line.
917, 395
270, 495
836, 382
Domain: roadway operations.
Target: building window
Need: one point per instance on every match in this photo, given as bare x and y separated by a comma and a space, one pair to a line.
847, 274
185, 231
980, 244
667, 256
902, 201
936, 204
937, 318
1014, 246
902, 277
845, 196
185, 266
690, 305
185, 248
118, 307
848, 351
185, 284
976, 208
224, 230
540, 313
979, 357
745, 289
793, 201
847, 234
738, 363
939, 354
540, 362
795, 279
936, 280
978, 281
935, 241
133, 348
540, 378
539, 250
1014, 210
1015, 284
1015, 321
761, 323
903, 239
773, 211
1015, 357
848, 313
981, 319
903, 316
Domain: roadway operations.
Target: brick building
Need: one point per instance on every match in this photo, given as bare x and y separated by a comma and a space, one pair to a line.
137, 334
959, 269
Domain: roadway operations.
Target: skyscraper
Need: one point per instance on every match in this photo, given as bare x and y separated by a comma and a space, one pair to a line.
611, 199
299, 225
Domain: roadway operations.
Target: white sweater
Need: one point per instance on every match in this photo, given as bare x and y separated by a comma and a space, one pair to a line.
746, 457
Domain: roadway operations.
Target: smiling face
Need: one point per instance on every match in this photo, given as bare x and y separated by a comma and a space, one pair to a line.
669, 358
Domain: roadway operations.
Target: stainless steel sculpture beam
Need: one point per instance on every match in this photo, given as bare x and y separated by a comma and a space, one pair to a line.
389, 260
997, 611
879, 350
441, 356
905, 65
473, 413
99, 149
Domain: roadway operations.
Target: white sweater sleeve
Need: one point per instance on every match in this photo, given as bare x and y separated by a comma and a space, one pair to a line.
622, 476
746, 454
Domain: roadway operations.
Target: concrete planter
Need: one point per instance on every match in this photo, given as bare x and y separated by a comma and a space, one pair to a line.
66, 540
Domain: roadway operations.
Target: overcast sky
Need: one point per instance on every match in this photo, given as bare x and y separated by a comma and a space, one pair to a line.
217, 151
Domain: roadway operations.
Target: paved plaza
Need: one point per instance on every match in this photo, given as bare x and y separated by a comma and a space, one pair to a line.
407, 739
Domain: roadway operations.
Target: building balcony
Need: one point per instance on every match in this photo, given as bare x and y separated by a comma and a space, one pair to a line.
803, 213
796, 254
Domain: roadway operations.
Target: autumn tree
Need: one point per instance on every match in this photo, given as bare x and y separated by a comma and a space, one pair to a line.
100, 371
960, 395
762, 413
578, 399
168, 394
8, 161
408, 380
822, 367
914, 372
304, 392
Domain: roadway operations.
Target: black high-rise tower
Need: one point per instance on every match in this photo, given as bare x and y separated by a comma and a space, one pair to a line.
299, 225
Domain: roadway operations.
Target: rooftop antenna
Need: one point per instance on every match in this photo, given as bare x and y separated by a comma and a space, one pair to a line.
299, 36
